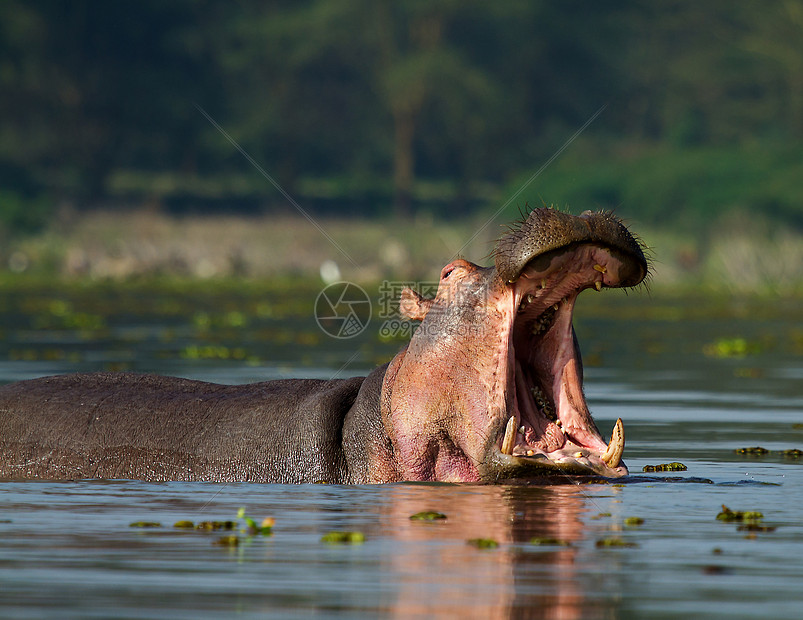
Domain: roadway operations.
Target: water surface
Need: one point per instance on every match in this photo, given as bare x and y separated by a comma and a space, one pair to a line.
675, 373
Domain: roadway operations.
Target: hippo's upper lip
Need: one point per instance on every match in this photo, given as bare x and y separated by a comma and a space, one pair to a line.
548, 424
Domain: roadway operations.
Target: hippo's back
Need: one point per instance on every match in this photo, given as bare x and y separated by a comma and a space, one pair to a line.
125, 425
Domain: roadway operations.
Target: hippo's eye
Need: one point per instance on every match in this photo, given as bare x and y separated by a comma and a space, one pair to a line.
447, 273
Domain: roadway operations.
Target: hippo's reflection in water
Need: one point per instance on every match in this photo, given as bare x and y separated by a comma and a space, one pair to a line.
441, 576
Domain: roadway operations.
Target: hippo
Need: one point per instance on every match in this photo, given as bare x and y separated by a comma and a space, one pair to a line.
488, 388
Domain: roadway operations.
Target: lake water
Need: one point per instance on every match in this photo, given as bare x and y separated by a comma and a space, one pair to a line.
693, 381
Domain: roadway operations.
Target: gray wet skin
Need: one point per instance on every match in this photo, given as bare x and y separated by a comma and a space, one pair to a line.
495, 350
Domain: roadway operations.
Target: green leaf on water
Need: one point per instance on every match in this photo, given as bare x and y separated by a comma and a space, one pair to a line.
615, 541
731, 347
726, 514
343, 538
483, 543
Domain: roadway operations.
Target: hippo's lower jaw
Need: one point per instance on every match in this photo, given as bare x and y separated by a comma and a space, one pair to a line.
505, 466
547, 427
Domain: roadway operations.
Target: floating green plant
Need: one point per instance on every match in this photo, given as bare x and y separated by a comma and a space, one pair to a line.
483, 543
753, 451
216, 525
187, 525
738, 515
794, 453
731, 347
214, 352
264, 529
675, 466
633, 521
343, 538
615, 541
145, 524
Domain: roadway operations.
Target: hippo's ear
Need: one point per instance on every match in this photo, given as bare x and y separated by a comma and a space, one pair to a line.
413, 306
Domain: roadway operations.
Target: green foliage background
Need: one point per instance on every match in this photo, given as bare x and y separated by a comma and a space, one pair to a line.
367, 108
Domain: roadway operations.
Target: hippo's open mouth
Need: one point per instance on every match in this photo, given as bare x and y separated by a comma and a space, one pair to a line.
548, 423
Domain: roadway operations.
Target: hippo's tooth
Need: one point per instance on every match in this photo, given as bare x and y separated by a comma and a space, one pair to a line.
528, 299
601, 268
510, 436
598, 285
613, 454
543, 282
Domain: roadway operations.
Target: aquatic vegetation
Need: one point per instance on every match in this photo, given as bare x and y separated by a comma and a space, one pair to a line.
427, 515
343, 538
187, 525
602, 515
731, 347
47, 355
205, 321
215, 352
615, 541
752, 451
145, 524
483, 543
792, 453
633, 521
674, 466
216, 525
264, 529
729, 515
227, 541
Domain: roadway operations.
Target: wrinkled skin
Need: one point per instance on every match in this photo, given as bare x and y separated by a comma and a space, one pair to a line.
489, 388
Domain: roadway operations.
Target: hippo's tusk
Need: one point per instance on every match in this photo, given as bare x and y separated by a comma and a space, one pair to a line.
613, 454
510, 436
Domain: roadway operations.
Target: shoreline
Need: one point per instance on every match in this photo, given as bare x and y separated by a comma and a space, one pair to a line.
141, 245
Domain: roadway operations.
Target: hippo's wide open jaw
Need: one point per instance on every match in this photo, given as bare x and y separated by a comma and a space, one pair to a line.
546, 425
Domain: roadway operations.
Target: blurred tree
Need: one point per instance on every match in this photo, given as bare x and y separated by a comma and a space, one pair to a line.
355, 105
